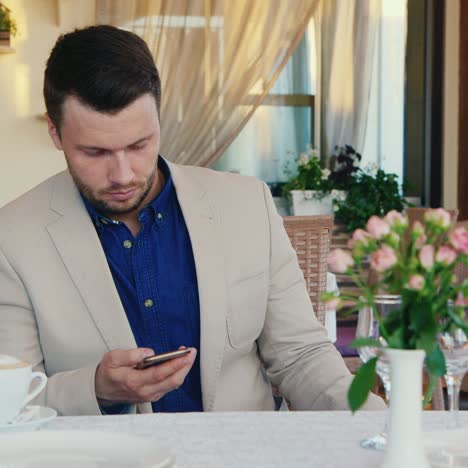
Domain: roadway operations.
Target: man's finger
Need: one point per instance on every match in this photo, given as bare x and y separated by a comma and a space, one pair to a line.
172, 382
160, 372
129, 357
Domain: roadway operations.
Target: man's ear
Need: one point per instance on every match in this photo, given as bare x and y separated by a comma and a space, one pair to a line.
54, 133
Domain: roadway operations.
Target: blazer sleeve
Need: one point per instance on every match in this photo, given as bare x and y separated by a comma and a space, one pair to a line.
299, 358
70, 393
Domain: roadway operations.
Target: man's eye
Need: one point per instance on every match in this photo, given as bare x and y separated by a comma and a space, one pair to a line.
138, 147
94, 152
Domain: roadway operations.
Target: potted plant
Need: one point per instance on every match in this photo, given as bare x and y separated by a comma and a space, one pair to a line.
418, 264
368, 193
8, 26
308, 187
345, 163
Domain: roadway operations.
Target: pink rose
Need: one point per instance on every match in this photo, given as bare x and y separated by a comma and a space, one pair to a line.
393, 218
361, 236
446, 255
383, 259
340, 261
459, 239
332, 304
461, 301
418, 234
426, 257
439, 217
420, 241
416, 282
418, 229
377, 227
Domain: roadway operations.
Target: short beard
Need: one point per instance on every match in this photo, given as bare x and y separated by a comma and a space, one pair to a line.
103, 207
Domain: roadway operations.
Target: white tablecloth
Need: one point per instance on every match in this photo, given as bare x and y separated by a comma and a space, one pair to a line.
281, 439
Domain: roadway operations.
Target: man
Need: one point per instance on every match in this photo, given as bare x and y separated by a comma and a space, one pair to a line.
125, 254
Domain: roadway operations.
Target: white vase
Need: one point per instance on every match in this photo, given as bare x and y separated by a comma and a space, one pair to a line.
405, 446
308, 202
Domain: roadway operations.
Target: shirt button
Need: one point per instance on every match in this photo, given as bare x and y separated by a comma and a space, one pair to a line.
160, 216
148, 303
127, 244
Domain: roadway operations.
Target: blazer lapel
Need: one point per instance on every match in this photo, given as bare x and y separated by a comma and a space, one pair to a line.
77, 243
203, 224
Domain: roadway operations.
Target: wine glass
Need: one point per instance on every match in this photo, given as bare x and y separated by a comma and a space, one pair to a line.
368, 327
454, 345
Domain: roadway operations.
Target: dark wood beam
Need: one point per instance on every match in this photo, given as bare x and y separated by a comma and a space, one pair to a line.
463, 115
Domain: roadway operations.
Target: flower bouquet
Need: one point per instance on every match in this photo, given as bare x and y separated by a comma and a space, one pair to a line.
417, 263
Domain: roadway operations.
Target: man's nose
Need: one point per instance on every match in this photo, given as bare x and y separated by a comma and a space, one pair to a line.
121, 171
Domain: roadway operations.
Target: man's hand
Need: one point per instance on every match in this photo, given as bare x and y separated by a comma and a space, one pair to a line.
117, 380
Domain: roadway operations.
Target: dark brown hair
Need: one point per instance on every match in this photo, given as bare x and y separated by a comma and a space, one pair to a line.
103, 66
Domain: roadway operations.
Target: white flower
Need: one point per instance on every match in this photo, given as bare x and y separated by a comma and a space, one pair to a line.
338, 195
303, 159
313, 153
371, 169
325, 174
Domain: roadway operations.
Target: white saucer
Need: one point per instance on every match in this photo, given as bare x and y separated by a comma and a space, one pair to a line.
40, 415
82, 449
447, 448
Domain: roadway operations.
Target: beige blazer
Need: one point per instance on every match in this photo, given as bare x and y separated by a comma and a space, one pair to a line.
60, 310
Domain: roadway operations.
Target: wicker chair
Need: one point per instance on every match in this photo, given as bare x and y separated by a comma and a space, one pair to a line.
310, 238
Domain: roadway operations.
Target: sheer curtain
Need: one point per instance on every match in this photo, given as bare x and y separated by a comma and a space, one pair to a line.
346, 36
276, 134
218, 59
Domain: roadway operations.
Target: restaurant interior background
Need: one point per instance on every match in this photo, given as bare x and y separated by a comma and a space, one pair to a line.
417, 95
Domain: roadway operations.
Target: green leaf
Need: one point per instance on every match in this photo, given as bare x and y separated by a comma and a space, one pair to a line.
420, 315
396, 339
362, 384
426, 340
435, 362
393, 321
361, 342
430, 389
458, 321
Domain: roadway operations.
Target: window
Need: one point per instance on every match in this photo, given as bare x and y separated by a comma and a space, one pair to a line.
282, 124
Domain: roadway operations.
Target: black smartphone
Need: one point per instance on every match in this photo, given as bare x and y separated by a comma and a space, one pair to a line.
163, 357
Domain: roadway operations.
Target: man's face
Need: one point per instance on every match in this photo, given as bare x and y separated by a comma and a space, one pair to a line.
111, 157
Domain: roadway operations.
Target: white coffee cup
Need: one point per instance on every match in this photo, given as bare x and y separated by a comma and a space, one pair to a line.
15, 379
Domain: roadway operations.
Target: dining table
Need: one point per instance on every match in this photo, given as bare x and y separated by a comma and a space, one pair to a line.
327, 439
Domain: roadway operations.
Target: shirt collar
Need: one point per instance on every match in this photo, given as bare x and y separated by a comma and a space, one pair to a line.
156, 209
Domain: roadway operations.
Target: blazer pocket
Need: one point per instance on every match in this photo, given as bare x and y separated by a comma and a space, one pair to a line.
247, 309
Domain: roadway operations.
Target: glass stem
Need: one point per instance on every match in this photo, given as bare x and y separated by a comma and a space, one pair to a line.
453, 382
388, 391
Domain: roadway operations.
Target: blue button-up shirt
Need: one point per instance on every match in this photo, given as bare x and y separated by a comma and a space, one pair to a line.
155, 277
